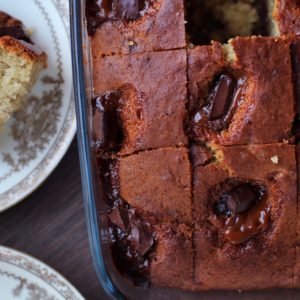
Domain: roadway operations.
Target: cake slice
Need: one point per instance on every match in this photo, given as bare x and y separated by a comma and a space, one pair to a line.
241, 93
20, 65
135, 26
161, 253
157, 93
245, 213
158, 183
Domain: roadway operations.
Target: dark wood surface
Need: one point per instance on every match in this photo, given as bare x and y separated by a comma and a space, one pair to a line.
50, 225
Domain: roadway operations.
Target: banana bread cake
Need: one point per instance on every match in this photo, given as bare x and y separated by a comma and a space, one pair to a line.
196, 124
20, 64
150, 74
245, 217
135, 26
235, 72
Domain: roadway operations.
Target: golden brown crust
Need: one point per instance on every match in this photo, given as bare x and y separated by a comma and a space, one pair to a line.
21, 63
23, 49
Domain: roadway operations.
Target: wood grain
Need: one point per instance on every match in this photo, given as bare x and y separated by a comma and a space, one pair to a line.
50, 225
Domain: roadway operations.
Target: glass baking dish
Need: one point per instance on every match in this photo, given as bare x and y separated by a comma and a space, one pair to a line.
116, 286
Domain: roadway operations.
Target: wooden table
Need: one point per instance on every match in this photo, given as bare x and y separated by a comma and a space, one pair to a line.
50, 225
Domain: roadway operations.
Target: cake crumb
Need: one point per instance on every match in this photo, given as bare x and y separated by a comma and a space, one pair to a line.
131, 43
30, 31
275, 159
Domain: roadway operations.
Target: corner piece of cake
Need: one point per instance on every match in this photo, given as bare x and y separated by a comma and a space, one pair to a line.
151, 109
135, 26
20, 64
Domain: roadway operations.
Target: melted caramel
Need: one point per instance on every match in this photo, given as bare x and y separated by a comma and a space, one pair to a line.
243, 226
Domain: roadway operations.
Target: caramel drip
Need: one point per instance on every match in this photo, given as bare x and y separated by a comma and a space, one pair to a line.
243, 226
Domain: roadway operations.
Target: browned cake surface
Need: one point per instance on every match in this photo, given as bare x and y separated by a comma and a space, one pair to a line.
287, 16
197, 144
23, 49
125, 106
269, 251
172, 263
160, 28
160, 80
263, 66
20, 63
158, 183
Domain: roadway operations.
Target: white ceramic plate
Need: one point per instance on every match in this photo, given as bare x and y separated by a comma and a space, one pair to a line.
22, 277
36, 138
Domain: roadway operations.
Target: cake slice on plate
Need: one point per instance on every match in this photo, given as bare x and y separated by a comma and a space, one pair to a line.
20, 64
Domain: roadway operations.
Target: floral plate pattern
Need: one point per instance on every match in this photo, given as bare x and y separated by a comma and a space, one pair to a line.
26, 278
36, 138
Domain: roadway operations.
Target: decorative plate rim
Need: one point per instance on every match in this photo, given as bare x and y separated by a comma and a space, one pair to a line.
59, 147
40, 270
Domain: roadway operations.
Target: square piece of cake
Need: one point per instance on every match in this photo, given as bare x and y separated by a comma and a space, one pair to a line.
241, 93
172, 261
246, 220
157, 184
136, 26
159, 81
20, 64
